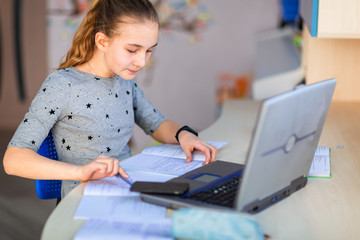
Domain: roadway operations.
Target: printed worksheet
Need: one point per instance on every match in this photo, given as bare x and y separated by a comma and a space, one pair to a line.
149, 229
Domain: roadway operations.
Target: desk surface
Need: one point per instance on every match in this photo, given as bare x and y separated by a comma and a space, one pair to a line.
324, 209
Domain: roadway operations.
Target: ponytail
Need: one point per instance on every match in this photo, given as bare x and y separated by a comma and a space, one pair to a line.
83, 44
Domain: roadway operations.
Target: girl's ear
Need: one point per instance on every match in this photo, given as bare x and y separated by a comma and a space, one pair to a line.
101, 41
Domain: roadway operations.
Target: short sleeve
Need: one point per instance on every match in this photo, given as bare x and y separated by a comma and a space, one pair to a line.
45, 110
146, 115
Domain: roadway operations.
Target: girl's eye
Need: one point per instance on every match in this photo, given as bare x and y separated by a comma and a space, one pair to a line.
131, 51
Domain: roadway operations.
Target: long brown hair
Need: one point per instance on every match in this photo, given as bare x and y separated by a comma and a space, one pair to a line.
104, 16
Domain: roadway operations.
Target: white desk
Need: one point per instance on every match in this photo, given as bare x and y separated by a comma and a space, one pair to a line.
324, 209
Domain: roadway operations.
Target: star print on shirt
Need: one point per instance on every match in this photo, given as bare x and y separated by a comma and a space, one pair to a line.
116, 95
69, 117
127, 92
88, 105
25, 120
108, 149
44, 89
68, 148
33, 142
118, 130
107, 115
90, 138
52, 111
96, 78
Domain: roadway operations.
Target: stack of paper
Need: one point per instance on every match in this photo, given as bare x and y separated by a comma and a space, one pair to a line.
152, 229
113, 210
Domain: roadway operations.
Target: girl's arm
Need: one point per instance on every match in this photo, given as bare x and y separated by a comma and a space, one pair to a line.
27, 163
188, 141
166, 132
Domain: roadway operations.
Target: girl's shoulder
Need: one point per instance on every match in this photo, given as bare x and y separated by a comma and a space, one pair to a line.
59, 74
67, 76
56, 78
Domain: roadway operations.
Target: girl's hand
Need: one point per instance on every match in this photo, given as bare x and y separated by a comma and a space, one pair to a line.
101, 167
189, 142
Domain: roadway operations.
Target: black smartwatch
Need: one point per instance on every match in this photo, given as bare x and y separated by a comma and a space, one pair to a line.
186, 128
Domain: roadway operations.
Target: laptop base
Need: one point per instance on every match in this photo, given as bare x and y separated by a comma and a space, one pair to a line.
259, 205
229, 170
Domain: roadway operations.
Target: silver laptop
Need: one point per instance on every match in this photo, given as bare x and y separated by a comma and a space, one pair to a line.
286, 136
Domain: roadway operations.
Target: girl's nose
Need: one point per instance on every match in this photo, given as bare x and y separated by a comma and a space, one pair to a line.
140, 60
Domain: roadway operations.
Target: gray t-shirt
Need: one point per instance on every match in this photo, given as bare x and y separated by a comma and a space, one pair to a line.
87, 116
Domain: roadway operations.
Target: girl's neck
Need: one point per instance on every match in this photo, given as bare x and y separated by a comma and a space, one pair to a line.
95, 66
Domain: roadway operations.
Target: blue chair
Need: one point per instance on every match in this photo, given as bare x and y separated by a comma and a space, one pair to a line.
48, 189
290, 10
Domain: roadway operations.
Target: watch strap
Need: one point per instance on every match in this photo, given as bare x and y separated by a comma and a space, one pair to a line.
185, 128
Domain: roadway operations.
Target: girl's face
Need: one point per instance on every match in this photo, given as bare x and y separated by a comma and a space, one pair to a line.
128, 52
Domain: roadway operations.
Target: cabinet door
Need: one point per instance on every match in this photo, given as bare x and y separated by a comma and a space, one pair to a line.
324, 58
332, 18
339, 19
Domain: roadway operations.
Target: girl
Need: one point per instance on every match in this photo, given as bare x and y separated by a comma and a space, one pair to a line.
91, 103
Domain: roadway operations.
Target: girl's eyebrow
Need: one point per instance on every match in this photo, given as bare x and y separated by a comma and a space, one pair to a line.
139, 46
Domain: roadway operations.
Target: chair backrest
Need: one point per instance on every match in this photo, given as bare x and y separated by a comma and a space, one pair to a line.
48, 189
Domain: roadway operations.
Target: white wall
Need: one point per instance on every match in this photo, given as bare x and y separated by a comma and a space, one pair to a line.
185, 74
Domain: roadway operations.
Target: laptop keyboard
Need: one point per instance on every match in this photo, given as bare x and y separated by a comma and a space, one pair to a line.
222, 194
